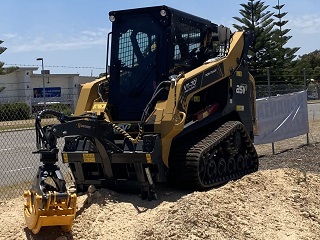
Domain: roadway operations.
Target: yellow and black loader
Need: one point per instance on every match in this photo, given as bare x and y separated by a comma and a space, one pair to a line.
178, 106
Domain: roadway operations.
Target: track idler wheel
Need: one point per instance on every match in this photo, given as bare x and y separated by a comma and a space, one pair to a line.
56, 209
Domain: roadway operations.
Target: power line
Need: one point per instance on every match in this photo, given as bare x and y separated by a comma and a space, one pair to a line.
51, 66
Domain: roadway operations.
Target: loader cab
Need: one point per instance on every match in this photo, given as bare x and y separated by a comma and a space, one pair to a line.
147, 46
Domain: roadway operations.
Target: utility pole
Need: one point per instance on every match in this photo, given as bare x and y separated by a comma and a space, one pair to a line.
43, 84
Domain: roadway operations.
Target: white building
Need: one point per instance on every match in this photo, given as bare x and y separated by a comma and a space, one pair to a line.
25, 86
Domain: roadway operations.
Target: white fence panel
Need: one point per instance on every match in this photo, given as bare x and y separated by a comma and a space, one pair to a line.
281, 117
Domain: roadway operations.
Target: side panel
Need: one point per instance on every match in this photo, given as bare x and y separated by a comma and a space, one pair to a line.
88, 94
199, 82
173, 120
242, 97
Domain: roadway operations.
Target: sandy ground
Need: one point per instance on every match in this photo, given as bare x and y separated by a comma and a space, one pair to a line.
280, 201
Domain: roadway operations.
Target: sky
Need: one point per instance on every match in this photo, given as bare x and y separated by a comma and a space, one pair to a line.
70, 35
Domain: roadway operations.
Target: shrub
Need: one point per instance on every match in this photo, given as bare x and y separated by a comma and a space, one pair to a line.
61, 107
14, 111
66, 109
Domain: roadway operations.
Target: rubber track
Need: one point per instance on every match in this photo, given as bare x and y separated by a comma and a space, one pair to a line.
185, 159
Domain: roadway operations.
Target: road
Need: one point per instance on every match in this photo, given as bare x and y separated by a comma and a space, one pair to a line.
314, 111
18, 164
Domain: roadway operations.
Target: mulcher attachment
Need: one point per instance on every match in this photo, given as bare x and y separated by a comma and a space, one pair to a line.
48, 203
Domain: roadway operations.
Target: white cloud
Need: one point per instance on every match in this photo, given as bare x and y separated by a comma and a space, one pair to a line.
9, 35
306, 24
84, 39
99, 32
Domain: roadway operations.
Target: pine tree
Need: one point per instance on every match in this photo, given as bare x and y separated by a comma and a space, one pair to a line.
2, 49
2, 69
282, 56
257, 19
268, 48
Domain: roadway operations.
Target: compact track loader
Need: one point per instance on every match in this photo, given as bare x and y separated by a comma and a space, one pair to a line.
178, 106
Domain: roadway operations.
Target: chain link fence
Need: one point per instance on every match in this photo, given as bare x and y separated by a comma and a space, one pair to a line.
18, 165
275, 82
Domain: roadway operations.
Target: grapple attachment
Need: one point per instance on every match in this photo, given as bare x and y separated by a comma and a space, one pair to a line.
54, 209
48, 202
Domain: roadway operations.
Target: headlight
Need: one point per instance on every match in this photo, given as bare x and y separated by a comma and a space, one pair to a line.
163, 13
112, 18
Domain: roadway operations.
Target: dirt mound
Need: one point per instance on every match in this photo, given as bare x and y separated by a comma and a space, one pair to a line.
270, 204
280, 201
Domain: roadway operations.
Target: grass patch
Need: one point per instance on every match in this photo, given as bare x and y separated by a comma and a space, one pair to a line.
25, 124
14, 191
